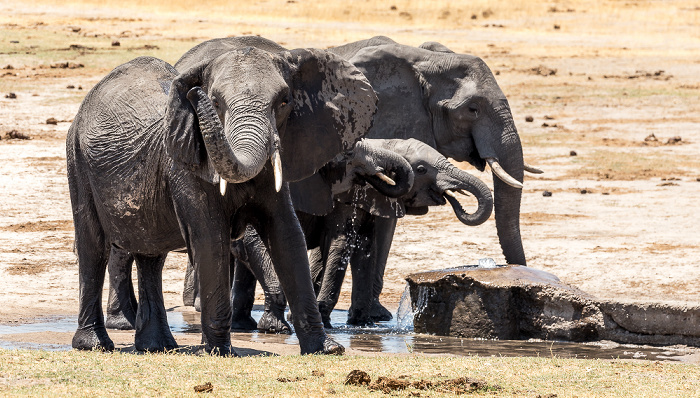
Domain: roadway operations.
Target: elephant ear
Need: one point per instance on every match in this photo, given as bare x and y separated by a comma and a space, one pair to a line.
333, 108
312, 195
373, 202
183, 138
436, 47
402, 91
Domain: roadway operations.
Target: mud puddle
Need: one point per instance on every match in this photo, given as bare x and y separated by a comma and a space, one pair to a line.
385, 337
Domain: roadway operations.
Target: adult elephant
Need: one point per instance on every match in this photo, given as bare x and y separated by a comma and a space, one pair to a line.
336, 235
453, 103
160, 160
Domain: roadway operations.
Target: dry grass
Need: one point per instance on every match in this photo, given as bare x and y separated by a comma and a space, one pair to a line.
73, 373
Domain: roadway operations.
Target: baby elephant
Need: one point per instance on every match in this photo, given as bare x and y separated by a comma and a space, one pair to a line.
346, 233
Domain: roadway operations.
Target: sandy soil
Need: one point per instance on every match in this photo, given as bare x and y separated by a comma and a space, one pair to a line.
622, 219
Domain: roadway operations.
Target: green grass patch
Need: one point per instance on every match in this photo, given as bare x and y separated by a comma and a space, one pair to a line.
74, 373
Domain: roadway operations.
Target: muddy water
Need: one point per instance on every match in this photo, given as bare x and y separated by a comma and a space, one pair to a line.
386, 337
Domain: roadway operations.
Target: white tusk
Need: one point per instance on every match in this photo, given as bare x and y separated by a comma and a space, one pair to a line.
222, 186
277, 167
386, 179
459, 191
531, 169
500, 173
450, 193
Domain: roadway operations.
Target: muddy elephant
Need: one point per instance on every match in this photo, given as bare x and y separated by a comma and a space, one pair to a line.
160, 160
453, 103
337, 235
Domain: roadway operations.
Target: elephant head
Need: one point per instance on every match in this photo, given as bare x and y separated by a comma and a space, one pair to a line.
228, 115
386, 171
436, 182
453, 103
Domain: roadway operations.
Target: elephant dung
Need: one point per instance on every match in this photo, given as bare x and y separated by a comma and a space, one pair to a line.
516, 302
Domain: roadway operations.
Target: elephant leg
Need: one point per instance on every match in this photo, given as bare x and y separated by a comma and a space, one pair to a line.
206, 230
261, 266
152, 331
383, 237
93, 253
363, 270
317, 267
242, 297
190, 291
282, 235
338, 245
122, 304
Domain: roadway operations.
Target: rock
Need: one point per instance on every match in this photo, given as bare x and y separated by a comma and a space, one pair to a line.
515, 302
11, 96
651, 138
674, 140
547, 193
116, 43
529, 119
70, 86
51, 120
16, 135
573, 153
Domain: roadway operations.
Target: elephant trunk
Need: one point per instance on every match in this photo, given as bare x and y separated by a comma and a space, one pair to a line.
391, 174
507, 196
239, 152
452, 179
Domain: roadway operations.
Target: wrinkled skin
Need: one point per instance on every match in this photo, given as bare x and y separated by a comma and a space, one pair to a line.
146, 156
455, 106
347, 231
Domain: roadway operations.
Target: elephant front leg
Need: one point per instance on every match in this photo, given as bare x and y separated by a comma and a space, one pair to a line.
282, 235
383, 237
122, 304
152, 331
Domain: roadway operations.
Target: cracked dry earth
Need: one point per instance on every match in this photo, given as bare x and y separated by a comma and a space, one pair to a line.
621, 221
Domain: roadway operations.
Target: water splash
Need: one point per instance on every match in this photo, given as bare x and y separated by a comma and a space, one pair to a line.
487, 263
404, 315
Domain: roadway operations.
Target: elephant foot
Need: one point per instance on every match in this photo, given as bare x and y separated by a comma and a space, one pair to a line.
92, 339
270, 322
156, 343
325, 315
120, 321
323, 345
225, 351
361, 319
379, 313
243, 323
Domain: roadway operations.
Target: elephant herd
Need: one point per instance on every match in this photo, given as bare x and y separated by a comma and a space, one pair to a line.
281, 167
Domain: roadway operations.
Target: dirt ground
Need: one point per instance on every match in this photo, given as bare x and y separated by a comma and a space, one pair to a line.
606, 89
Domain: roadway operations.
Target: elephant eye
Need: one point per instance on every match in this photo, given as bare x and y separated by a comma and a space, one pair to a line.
474, 108
421, 169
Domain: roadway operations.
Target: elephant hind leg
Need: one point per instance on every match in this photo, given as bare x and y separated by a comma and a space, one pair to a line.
122, 304
152, 331
93, 253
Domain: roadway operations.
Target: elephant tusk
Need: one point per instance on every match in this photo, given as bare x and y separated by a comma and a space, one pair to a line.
531, 169
386, 179
450, 193
500, 173
461, 192
277, 167
222, 186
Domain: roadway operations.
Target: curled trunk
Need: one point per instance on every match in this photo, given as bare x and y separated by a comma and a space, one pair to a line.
454, 179
240, 154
